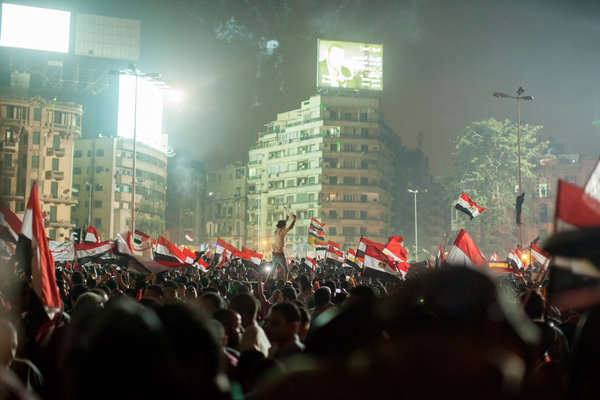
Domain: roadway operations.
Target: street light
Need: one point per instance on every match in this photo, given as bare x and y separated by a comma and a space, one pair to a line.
91, 188
415, 192
518, 97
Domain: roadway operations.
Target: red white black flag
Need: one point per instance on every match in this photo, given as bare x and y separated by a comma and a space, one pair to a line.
465, 253
468, 206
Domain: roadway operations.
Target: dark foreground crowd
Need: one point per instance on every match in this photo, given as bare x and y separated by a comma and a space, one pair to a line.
238, 333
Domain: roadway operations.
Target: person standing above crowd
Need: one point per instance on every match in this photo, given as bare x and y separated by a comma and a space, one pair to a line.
279, 245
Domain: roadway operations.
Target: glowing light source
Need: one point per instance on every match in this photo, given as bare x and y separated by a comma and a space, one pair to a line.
35, 28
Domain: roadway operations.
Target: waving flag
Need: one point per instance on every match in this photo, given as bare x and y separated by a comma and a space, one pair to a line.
87, 252
592, 186
320, 246
253, 256
311, 263
575, 208
62, 251
539, 256
167, 251
381, 265
9, 223
36, 256
316, 232
140, 237
334, 254
494, 257
362, 246
468, 206
465, 253
395, 250
514, 260
351, 260
92, 236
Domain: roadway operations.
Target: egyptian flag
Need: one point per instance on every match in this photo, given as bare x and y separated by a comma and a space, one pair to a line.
253, 256
351, 260
335, 255
189, 238
190, 256
320, 246
318, 225
494, 257
333, 244
380, 265
468, 206
592, 186
312, 264
465, 253
10, 224
224, 248
92, 236
167, 251
362, 246
190, 259
575, 208
138, 261
35, 255
87, 252
140, 237
394, 249
539, 256
514, 260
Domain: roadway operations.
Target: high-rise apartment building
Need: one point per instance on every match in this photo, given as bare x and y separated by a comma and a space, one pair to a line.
334, 159
226, 205
36, 145
102, 176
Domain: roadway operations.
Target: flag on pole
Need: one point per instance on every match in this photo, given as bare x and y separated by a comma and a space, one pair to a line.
320, 246
394, 249
494, 257
440, 258
167, 251
592, 186
140, 237
253, 256
514, 260
189, 237
36, 255
334, 254
465, 253
362, 246
92, 236
87, 252
351, 260
316, 232
312, 264
381, 265
468, 206
539, 256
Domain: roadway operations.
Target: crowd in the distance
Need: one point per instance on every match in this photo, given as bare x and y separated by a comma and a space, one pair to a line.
241, 332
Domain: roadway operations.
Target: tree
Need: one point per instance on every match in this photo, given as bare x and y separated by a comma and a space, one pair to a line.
485, 167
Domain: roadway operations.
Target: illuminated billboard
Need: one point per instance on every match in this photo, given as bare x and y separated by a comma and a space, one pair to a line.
350, 65
35, 28
148, 108
108, 37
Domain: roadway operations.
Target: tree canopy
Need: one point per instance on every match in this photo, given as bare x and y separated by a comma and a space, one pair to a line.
485, 167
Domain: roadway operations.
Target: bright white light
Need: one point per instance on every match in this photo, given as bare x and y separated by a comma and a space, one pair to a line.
35, 28
175, 96
149, 111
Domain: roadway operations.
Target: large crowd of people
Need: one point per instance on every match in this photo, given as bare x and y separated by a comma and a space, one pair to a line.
242, 332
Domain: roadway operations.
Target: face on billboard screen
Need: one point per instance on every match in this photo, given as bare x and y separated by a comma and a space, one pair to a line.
149, 111
350, 65
35, 28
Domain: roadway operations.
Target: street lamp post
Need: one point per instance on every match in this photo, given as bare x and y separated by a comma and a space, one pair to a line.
91, 187
518, 97
415, 192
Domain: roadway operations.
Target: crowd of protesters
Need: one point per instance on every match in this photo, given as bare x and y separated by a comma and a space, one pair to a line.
241, 331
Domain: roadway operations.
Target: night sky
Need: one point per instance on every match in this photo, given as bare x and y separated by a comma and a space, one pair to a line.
442, 62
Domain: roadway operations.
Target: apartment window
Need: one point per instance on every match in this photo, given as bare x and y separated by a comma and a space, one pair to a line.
349, 180
332, 214
55, 164
37, 114
36, 137
349, 214
363, 215
543, 213
333, 163
52, 213
56, 142
333, 114
97, 222
98, 204
311, 197
6, 186
364, 148
364, 132
289, 200
364, 181
332, 231
363, 197
363, 231
89, 153
99, 170
349, 231
7, 160
333, 180
333, 147
100, 152
54, 190
301, 197
77, 154
347, 116
52, 234
543, 190
289, 183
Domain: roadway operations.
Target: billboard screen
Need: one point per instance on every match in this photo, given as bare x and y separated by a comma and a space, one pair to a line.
147, 113
350, 65
108, 37
35, 28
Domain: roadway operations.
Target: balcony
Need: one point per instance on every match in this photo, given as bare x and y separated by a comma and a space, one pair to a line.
52, 152
123, 197
9, 147
60, 224
55, 175
60, 200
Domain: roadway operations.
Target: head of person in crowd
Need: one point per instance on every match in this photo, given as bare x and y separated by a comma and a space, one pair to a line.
180, 290
232, 323
8, 343
88, 300
280, 224
304, 325
247, 306
190, 293
155, 292
103, 295
170, 291
287, 294
322, 296
282, 323
77, 291
211, 302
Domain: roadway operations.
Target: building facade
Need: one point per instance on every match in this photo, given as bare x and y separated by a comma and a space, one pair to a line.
226, 209
102, 178
37, 137
186, 198
332, 159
